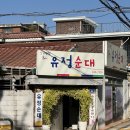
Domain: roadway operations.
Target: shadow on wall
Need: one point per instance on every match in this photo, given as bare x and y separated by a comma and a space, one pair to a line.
21, 124
19, 103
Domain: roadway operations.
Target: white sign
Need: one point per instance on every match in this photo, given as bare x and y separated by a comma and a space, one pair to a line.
92, 109
38, 108
115, 57
61, 63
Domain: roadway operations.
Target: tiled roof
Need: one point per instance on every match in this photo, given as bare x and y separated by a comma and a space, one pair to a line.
22, 35
24, 55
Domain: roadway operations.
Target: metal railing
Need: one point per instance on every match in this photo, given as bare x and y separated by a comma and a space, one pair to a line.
102, 28
111, 27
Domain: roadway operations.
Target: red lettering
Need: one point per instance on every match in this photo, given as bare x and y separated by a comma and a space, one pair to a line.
92, 63
86, 62
78, 62
78, 58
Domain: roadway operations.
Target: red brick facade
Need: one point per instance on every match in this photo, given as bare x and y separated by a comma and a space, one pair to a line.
73, 27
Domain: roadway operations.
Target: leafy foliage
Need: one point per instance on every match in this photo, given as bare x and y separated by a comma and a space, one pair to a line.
52, 96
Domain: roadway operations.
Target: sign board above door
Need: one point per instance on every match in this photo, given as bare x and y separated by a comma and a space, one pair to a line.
61, 63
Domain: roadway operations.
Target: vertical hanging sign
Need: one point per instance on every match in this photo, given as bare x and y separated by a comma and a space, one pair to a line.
92, 109
38, 108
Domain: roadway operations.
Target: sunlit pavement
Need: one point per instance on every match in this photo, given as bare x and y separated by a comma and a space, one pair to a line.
119, 125
125, 128
5, 127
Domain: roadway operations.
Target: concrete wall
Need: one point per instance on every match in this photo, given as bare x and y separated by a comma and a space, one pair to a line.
58, 118
17, 106
126, 106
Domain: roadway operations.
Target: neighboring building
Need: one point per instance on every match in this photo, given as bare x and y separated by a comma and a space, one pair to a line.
20, 60
111, 95
77, 25
22, 32
76, 34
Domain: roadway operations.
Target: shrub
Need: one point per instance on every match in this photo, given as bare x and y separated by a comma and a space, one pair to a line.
52, 96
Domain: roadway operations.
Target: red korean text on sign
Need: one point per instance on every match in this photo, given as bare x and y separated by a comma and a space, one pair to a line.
90, 63
78, 62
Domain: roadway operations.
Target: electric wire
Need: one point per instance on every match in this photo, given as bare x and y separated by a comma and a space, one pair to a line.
96, 10
116, 9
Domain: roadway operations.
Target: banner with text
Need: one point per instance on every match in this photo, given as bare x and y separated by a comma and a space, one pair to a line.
115, 57
61, 63
38, 108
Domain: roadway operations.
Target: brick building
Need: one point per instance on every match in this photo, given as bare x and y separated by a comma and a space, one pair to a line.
76, 34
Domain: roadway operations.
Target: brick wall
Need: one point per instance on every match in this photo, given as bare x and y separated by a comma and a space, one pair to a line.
116, 42
93, 46
68, 27
89, 46
17, 106
16, 30
74, 27
1, 30
13, 30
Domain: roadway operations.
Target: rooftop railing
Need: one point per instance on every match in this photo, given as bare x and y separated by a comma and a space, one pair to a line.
111, 27
102, 28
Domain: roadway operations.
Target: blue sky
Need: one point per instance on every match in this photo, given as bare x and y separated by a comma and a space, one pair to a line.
49, 6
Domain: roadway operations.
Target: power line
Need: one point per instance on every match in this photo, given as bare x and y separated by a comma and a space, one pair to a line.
96, 10
117, 10
100, 15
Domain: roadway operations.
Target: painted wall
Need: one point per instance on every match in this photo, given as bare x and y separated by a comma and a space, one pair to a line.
17, 106
108, 103
119, 102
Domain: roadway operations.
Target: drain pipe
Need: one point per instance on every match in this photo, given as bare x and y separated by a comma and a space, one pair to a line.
8, 119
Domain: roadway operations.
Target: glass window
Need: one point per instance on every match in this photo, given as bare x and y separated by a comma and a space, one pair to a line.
7, 30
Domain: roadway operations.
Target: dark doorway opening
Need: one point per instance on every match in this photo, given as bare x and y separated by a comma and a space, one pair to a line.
114, 103
70, 111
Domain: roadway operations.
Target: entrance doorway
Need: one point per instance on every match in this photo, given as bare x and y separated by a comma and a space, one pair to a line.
114, 103
70, 112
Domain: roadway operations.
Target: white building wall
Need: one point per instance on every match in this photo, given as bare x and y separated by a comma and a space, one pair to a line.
125, 100
17, 106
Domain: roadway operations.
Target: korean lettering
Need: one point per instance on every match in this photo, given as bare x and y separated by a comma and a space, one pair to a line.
90, 62
39, 96
39, 115
92, 108
38, 109
54, 62
118, 59
113, 56
78, 62
69, 63
38, 103
122, 59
